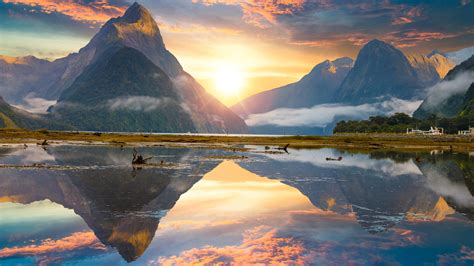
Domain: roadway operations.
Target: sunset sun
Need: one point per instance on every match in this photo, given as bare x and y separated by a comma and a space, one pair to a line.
229, 80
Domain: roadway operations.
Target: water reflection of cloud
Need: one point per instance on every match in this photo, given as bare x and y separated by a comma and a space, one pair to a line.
33, 155
74, 241
240, 218
260, 245
441, 185
216, 211
318, 158
462, 257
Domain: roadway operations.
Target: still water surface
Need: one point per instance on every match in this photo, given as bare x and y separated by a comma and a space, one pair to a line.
93, 208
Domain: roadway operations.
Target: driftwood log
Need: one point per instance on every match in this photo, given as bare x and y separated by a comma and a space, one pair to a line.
139, 159
284, 148
44, 143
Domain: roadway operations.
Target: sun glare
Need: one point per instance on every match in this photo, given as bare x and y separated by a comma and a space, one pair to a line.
229, 80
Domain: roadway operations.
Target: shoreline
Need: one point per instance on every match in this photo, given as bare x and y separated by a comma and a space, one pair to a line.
345, 141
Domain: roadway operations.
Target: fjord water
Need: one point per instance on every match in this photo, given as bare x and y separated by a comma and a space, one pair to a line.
93, 208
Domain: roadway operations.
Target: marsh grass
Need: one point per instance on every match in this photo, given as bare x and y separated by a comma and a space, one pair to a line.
348, 141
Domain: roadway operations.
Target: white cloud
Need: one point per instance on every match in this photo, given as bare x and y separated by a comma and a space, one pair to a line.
318, 157
138, 103
441, 185
461, 55
32, 154
445, 89
36, 105
324, 114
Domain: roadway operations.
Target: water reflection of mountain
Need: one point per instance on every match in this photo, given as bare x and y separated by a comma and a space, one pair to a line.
122, 207
382, 189
452, 176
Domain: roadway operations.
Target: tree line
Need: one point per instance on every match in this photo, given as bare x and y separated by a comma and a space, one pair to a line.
399, 122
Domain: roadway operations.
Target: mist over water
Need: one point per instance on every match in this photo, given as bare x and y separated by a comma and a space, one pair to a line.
325, 114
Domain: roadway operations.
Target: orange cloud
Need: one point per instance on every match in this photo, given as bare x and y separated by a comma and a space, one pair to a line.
260, 245
355, 38
404, 39
94, 12
260, 13
402, 20
75, 241
195, 28
327, 214
194, 225
409, 17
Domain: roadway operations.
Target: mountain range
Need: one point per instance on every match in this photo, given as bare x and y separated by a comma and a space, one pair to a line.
77, 81
380, 72
94, 89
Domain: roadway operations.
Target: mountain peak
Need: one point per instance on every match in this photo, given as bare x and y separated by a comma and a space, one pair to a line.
435, 52
390, 75
135, 13
136, 19
343, 62
22, 60
376, 46
377, 42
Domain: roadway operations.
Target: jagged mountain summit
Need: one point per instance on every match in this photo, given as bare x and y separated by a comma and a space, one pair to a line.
431, 68
138, 30
380, 70
318, 86
441, 63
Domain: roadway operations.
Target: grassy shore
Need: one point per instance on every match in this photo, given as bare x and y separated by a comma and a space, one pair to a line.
349, 141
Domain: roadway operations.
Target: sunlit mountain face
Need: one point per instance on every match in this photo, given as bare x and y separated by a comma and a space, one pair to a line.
88, 205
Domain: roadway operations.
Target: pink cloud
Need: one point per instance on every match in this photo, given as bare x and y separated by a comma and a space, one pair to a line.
408, 17
260, 13
260, 245
401, 21
93, 12
75, 241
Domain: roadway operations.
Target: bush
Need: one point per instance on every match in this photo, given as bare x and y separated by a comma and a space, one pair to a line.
43, 131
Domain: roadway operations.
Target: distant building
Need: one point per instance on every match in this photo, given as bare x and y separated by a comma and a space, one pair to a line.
470, 131
432, 131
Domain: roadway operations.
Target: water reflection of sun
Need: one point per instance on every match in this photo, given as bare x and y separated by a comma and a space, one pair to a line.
229, 191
